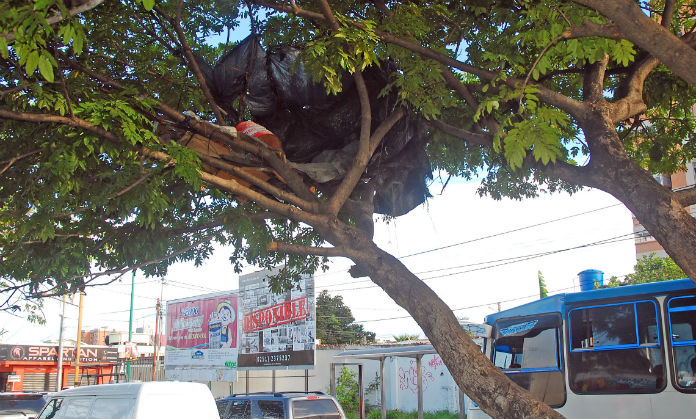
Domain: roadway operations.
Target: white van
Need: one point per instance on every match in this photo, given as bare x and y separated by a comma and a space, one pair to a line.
152, 400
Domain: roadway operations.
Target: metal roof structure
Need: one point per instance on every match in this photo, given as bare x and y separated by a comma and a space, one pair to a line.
409, 351
380, 354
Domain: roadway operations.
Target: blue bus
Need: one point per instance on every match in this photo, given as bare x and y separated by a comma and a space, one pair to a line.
625, 352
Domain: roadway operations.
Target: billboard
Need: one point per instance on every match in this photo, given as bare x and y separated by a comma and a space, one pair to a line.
202, 338
276, 331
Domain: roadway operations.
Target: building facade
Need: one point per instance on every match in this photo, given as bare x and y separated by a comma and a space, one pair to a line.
35, 367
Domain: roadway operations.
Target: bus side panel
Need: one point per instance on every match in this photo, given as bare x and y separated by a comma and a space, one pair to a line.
619, 406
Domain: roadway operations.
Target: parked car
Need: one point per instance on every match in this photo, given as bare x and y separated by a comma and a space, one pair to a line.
21, 405
285, 405
152, 400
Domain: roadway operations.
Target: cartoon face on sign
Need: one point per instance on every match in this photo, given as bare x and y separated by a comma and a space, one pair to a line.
224, 316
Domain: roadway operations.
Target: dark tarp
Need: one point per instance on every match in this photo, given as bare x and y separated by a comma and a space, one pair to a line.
319, 132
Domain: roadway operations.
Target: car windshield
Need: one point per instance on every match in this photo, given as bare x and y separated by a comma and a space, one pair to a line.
21, 403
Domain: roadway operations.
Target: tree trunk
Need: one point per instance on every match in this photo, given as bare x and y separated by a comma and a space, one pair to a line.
484, 383
648, 34
655, 206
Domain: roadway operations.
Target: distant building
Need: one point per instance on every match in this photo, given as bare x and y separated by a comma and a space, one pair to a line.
645, 243
140, 344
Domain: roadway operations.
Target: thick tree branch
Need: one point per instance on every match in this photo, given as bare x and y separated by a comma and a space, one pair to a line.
649, 35
298, 249
686, 197
345, 189
256, 181
589, 28
632, 103
235, 188
593, 82
73, 122
364, 154
667, 13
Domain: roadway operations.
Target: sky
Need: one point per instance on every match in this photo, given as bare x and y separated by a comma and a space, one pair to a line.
475, 252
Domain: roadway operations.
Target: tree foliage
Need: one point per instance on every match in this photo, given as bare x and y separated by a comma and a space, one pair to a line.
104, 172
335, 322
543, 292
405, 337
347, 391
650, 268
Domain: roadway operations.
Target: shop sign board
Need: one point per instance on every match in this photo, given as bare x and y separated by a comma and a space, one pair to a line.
88, 354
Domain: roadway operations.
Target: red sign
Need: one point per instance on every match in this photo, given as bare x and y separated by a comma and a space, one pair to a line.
208, 322
275, 315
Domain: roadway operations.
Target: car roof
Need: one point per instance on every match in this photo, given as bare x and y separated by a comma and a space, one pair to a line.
128, 388
279, 395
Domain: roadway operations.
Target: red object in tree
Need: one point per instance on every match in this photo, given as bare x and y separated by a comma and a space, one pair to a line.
259, 132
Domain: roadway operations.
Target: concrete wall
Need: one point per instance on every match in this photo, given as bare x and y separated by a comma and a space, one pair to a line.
439, 390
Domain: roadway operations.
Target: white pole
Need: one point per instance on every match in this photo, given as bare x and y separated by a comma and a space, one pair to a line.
59, 370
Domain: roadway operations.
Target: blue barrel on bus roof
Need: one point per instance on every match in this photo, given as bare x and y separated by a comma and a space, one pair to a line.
588, 277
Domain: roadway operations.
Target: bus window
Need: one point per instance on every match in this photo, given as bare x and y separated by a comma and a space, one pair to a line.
527, 349
682, 326
615, 348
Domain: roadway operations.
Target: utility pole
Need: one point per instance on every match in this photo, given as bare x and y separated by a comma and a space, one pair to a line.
156, 341
76, 382
130, 325
59, 372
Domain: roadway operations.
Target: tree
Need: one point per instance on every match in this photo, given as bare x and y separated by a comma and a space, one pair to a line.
335, 322
347, 391
650, 268
543, 293
104, 173
405, 337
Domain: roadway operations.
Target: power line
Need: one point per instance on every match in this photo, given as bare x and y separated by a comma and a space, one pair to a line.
196, 287
465, 308
502, 233
508, 231
508, 261
498, 262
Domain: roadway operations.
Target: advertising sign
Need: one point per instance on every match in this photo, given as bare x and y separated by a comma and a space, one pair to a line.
88, 354
276, 331
202, 338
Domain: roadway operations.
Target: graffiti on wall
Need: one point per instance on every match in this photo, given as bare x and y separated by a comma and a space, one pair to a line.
408, 377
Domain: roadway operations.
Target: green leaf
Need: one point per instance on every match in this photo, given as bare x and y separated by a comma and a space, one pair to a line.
148, 4
45, 68
78, 41
3, 47
32, 62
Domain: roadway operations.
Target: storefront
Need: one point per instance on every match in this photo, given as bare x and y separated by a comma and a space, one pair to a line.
35, 367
